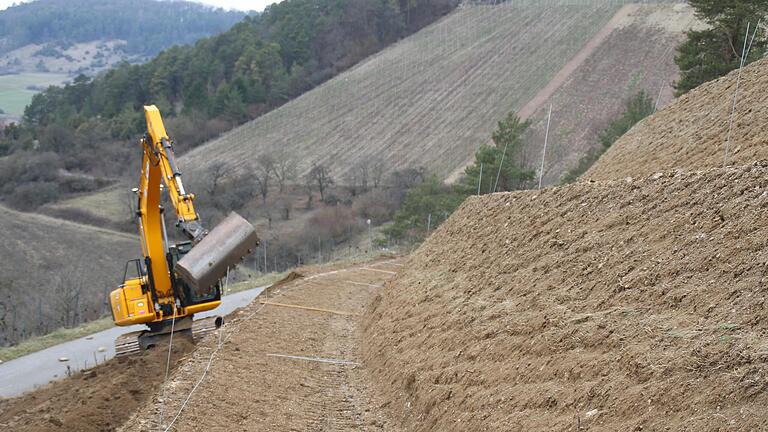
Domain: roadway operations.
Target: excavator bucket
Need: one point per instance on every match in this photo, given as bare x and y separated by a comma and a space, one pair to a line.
225, 246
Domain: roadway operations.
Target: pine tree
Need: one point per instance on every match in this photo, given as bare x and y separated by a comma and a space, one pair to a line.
711, 53
505, 153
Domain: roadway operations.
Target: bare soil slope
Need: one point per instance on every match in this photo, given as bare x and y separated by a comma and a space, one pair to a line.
607, 306
97, 400
692, 132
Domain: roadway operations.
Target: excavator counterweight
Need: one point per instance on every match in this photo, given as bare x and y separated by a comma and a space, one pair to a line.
173, 282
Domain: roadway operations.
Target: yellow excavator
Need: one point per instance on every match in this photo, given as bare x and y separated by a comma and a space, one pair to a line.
173, 282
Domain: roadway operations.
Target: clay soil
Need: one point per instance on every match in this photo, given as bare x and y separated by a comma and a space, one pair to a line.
99, 399
625, 305
692, 132
250, 386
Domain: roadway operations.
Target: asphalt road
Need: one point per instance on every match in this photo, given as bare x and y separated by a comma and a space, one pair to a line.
26, 373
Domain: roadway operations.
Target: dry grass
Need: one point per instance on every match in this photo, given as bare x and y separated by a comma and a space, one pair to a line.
54, 338
110, 203
42, 254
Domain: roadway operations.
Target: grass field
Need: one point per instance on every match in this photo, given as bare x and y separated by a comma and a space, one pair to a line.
112, 203
14, 94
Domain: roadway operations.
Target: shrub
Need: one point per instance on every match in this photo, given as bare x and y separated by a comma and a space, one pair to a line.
29, 196
377, 205
336, 222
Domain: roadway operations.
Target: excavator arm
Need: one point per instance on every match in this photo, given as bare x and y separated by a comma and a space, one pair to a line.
158, 152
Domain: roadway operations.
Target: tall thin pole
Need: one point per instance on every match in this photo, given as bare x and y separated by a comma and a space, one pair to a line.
498, 174
544, 153
736, 96
658, 98
480, 180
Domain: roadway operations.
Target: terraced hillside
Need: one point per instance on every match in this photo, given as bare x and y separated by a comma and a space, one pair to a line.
638, 54
692, 133
50, 261
623, 305
431, 99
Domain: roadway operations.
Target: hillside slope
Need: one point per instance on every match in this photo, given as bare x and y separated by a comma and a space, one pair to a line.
692, 133
607, 306
47, 260
435, 97
431, 99
638, 55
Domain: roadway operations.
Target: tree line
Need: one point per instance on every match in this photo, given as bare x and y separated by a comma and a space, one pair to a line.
146, 26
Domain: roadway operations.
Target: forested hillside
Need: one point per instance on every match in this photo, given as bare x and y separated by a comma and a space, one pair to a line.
203, 90
147, 26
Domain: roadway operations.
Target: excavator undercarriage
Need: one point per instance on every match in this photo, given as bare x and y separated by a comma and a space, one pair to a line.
134, 342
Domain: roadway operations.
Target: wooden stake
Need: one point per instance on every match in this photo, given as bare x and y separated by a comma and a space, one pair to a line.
330, 311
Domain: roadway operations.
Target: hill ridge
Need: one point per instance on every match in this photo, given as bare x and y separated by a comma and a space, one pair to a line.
691, 133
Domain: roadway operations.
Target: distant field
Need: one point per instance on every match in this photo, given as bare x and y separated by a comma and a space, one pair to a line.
432, 99
112, 203
14, 94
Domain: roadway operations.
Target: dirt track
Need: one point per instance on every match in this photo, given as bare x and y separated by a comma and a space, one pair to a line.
249, 388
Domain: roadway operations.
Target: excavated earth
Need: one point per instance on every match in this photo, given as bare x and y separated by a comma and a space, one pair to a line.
99, 399
692, 132
619, 305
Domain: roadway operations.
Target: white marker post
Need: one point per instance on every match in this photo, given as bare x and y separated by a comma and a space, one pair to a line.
544, 153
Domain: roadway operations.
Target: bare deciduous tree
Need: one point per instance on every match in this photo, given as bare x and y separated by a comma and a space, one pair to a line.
263, 172
284, 168
321, 177
216, 172
67, 289
309, 187
362, 169
377, 171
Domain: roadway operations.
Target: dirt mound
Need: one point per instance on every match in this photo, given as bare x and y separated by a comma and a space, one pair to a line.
99, 399
692, 132
624, 305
